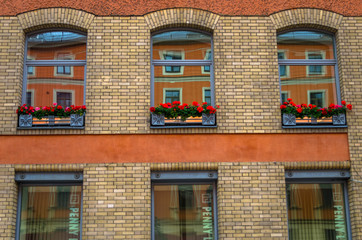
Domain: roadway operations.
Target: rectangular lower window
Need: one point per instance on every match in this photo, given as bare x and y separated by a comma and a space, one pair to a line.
317, 210
49, 210
184, 210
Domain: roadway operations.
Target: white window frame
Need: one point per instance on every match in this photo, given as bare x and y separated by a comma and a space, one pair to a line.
203, 93
287, 73
206, 58
284, 92
55, 91
162, 57
171, 89
32, 91
323, 91
323, 68
71, 57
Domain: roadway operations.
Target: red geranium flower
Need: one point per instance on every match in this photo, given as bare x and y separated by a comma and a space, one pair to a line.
195, 104
152, 109
343, 102
349, 106
300, 110
283, 106
200, 109
289, 99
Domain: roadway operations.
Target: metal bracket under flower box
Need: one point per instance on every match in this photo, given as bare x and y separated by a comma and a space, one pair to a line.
290, 121
159, 121
75, 121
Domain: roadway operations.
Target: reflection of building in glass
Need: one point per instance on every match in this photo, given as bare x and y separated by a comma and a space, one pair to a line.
54, 82
316, 211
302, 80
181, 80
50, 212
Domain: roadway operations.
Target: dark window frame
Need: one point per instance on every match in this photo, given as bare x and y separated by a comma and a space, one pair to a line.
51, 63
34, 179
184, 178
321, 177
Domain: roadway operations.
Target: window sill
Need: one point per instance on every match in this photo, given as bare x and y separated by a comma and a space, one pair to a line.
181, 126
315, 126
75, 121
47, 128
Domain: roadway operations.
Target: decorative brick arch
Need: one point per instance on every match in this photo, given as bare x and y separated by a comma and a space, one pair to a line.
305, 17
182, 17
55, 17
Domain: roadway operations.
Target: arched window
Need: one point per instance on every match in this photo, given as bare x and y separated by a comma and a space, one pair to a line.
55, 64
308, 68
182, 63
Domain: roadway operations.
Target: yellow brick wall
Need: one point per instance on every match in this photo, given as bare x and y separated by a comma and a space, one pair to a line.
350, 63
118, 67
251, 201
8, 202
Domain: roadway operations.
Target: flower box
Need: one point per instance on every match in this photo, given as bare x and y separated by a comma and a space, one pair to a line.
51, 117
208, 119
157, 119
175, 114
304, 115
339, 119
289, 120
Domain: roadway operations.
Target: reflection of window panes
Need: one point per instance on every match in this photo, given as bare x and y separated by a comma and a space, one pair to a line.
30, 70
207, 57
207, 96
64, 99
317, 98
28, 98
284, 96
172, 95
51, 47
63, 70
282, 68
315, 69
172, 55
172, 70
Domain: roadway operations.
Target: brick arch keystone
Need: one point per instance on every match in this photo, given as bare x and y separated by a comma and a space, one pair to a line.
306, 17
55, 17
182, 17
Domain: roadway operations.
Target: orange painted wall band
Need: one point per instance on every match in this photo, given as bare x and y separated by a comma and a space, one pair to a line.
173, 148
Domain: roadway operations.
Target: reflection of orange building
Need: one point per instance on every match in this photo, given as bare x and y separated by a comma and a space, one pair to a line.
191, 83
61, 84
314, 84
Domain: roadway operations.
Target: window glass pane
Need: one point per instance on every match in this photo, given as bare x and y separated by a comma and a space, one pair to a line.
207, 96
50, 212
189, 79
316, 211
184, 212
187, 44
46, 83
300, 84
57, 45
298, 44
171, 96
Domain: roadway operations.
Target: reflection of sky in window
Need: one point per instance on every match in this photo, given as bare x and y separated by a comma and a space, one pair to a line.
305, 36
181, 35
56, 36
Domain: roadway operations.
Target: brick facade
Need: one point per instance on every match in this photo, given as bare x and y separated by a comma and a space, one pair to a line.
117, 196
